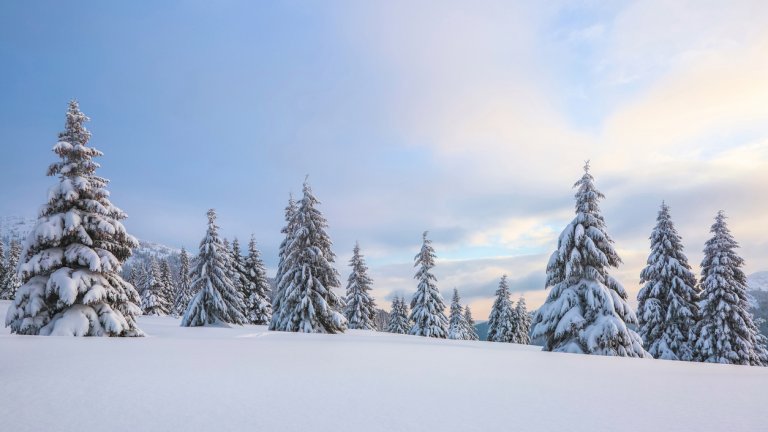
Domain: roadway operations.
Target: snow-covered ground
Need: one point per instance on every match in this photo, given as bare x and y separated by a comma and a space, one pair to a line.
249, 379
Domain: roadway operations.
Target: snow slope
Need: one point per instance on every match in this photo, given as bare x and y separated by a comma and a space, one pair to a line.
15, 227
249, 379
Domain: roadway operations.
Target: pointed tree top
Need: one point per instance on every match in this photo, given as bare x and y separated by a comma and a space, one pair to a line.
424, 236
292, 205
75, 131
720, 226
306, 188
664, 209
211, 216
308, 197
721, 216
586, 166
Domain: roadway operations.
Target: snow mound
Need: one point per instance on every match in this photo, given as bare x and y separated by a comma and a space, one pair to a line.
246, 378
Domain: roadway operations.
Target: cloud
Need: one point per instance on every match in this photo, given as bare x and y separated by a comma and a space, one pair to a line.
648, 38
695, 110
679, 97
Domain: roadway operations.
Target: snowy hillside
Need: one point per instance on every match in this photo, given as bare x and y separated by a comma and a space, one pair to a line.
245, 378
156, 250
758, 281
147, 251
15, 227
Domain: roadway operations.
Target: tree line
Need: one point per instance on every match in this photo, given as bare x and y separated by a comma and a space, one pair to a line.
69, 272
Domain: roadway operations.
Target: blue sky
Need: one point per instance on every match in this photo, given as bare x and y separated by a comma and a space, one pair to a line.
469, 120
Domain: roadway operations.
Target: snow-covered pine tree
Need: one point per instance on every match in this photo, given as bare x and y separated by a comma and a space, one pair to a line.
184, 290
523, 323
134, 277
236, 257
308, 303
146, 276
586, 310
10, 282
471, 330
234, 276
168, 282
427, 307
153, 301
360, 309
217, 300
239, 274
260, 307
287, 230
399, 322
725, 332
72, 258
457, 324
667, 303
501, 322
3, 270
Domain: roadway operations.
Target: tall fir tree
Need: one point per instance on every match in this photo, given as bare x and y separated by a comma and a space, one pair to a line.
184, 292
3, 271
72, 258
134, 277
259, 305
667, 303
586, 310
522, 323
427, 306
10, 281
217, 300
726, 332
501, 325
471, 329
153, 299
239, 275
143, 276
399, 322
360, 309
457, 323
234, 277
287, 231
169, 293
308, 303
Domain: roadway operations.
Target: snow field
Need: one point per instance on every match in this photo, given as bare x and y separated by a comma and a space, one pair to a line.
249, 379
